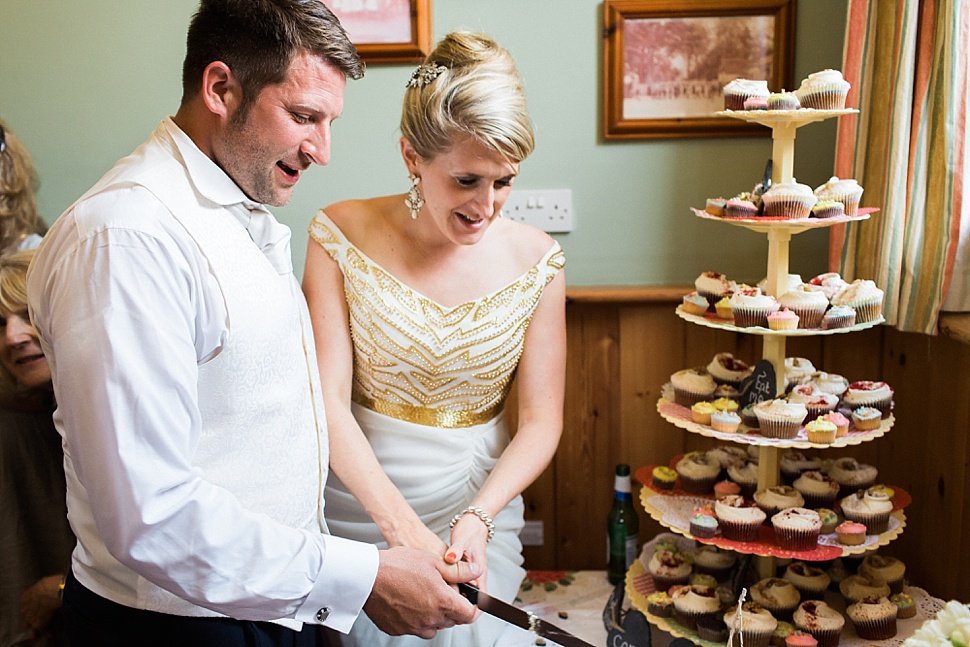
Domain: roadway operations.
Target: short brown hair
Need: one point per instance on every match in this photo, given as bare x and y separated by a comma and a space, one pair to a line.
258, 39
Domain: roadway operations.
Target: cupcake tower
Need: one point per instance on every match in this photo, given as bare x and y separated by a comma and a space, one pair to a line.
795, 526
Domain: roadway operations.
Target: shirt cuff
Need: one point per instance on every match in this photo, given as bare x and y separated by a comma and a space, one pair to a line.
343, 585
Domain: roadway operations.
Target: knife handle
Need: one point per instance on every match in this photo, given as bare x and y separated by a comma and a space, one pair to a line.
469, 592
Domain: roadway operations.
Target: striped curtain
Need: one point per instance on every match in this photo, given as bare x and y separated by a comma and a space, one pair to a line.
907, 61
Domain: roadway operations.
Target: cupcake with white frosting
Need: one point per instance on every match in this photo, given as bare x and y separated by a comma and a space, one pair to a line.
737, 90
751, 307
864, 297
807, 303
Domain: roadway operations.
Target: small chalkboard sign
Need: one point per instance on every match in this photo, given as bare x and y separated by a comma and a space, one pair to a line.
759, 386
624, 628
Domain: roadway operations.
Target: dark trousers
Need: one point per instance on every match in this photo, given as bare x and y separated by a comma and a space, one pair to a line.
93, 621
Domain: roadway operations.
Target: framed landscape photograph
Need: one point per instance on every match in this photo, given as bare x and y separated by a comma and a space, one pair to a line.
387, 31
666, 62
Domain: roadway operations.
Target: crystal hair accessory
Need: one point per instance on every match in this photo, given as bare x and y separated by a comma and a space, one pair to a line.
3, 139
425, 74
415, 200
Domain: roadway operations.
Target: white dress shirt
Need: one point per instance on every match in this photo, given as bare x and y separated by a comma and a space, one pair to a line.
131, 312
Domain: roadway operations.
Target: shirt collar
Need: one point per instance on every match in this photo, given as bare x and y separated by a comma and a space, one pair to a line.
272, 237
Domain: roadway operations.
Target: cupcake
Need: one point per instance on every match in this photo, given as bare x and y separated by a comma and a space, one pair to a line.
885, 489
703, 526
751, 307
789, 200
778, 596
722, 308
793, 462
748, 417
848, 192
817, 405
810, 305
829, 283
659, 604
715, 206
821, 431
851, 533
779, 418
746, 476
869, 394
712, 286
739, 518
712, 628
856, 587
798, 370
725, 368
725, 404
829, 520
819, 619
698, 473
818, 490
726, 488
727, 455
777, 498
837, 570
783, 320
828, 209
726, 391
738, 90
694, 602
825, 90
885, 569
799, 638
668, 568
780, 636
756, 103
871, 509
713, 561
905, 606
866, 418
663, 478
694, 304
811, 582
701, 412
851, 475
831, 383
691, 385
783, 101
725, 421
797, 529
874, 618
740, 208
752, 625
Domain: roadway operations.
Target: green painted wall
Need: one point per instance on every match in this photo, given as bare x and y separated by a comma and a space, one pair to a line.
85, 81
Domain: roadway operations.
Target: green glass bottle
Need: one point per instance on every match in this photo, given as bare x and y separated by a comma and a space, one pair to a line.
623, 528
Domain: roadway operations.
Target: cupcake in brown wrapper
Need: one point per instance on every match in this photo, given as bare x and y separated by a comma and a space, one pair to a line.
874, 618
693, 602
870, 508
779, 418
797, 529
752, 624
739, 518
819, 619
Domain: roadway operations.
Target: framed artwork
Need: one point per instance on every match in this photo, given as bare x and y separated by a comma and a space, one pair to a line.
387, 31
666, 62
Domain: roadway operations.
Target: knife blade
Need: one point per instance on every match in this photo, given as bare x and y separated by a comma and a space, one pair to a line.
520, 618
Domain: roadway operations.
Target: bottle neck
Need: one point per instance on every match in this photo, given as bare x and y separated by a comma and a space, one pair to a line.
621, 487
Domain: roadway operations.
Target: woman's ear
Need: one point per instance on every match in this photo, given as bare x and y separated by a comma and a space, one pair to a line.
221, 91
410, 156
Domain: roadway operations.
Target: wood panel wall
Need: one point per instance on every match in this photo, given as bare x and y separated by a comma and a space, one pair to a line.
625, 343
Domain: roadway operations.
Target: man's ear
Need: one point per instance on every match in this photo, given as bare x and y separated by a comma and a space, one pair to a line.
221, 91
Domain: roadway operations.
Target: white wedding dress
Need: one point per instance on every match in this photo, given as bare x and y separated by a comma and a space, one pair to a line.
429, 388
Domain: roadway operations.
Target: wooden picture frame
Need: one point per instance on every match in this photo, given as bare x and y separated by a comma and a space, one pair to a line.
665, 63
387, 31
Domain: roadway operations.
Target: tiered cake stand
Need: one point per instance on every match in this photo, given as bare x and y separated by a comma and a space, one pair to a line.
673, 509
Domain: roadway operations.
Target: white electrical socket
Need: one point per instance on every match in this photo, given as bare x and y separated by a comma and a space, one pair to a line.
532, 534
548, 209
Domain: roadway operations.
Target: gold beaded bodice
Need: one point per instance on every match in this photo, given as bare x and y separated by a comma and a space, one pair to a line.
418, 361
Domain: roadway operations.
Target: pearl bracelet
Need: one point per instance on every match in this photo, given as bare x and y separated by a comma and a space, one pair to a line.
481, 514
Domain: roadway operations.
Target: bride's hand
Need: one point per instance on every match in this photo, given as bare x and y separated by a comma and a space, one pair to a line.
421, 538
468, 539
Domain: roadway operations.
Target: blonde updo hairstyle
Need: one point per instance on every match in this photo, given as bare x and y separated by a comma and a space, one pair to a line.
18, 183
13, 299
479, 94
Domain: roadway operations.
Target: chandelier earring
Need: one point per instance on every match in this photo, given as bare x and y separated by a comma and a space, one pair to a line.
415, 200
